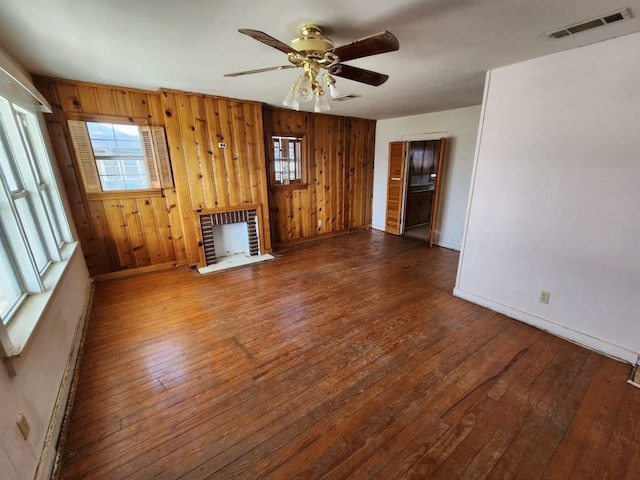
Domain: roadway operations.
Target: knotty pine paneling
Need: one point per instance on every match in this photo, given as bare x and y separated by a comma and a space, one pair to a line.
117, 233
140, 232
339, 193
208, 177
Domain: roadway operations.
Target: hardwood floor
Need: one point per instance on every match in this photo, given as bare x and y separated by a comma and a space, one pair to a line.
343, 358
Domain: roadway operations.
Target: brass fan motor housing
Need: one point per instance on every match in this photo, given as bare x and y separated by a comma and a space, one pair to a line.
312, 40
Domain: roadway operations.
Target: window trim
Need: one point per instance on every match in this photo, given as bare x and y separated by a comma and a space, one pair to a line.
29, 155
155, 150
304, 150
16, 334
95, 117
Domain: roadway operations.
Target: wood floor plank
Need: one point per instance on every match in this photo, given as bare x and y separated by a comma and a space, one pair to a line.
202, 403
343, 358
619, 451
570, 444
371, 377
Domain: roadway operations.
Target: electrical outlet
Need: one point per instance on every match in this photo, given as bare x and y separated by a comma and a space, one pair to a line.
319, 223
23, 425
222, 145
544, 296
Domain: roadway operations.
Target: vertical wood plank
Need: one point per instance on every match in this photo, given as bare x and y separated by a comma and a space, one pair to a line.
107, 257
209, 145
183, 204
118, 229
163, 228
186, 131
88, 98
225, 114
151, 231
107, 99
219, 167
239, 152
154, 109
202, 169
174, 224
68, 97
252, 143
133, 226
260, 176
124, 103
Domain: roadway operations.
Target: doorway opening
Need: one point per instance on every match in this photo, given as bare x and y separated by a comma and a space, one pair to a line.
415, 170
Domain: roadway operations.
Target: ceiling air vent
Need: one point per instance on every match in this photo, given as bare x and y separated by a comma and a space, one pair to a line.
612, 17
344, 98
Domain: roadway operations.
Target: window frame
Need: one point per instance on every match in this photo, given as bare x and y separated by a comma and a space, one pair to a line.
120, 161
162, 176
304, 161
27, 157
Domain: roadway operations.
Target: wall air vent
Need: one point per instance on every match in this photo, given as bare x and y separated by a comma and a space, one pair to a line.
344, 98
612, 17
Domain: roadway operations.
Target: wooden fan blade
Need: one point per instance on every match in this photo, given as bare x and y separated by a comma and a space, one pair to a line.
382, 42
259, 70
361, 75
267, 40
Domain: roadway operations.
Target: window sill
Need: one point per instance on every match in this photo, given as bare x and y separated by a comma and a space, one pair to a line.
151, 192
291, 186
23, 325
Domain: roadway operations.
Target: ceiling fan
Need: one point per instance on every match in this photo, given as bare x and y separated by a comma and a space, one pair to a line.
312, 51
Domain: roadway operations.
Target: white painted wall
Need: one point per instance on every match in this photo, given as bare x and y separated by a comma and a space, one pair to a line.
461, 126
33, 391
555, 201
40, 371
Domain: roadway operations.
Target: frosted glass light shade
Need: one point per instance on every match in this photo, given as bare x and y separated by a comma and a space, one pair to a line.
288, 100
333, 90
322, 104
303, 91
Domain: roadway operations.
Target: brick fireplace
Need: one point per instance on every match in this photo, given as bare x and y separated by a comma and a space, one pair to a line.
208, 221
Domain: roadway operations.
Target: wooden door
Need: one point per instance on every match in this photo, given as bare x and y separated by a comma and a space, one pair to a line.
395, 187
442, 144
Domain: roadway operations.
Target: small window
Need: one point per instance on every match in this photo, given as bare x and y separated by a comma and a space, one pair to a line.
288, 166
117, 150
117, 157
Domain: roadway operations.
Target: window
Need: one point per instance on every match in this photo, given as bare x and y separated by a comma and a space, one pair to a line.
118, 157
288, 163
117, 150
33, 224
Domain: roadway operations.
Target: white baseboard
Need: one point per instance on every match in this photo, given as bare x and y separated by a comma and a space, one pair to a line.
450, 246
601, 346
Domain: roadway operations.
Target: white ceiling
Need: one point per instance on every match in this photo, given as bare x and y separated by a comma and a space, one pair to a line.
445, 45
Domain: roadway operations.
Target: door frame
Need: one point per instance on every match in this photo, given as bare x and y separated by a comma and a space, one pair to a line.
407, 139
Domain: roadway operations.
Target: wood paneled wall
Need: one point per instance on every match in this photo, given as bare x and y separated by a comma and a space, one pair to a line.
208, 177
126, 232
338, 196
144, 231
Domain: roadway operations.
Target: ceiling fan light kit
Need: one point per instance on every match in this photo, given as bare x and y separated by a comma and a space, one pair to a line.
312, 51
